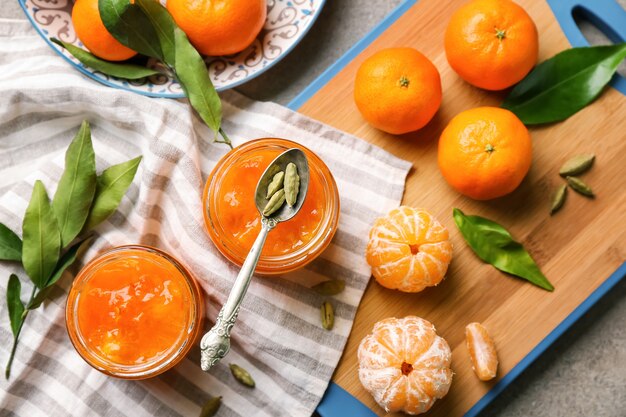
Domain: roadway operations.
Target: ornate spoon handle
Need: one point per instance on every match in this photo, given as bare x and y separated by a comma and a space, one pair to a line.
215, 344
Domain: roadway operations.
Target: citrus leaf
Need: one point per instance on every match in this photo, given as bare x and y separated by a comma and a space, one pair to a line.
164, 25
68, 259
42, 240
564, 84
16, 308
77, 186
193, 76
130, 26
111, 187
10, 245
41, 296
495, 245
115, 69
65, 262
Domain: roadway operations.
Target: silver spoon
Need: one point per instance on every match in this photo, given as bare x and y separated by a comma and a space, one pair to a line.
215, 344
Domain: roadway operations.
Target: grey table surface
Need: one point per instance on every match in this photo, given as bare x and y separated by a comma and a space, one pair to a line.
584, 373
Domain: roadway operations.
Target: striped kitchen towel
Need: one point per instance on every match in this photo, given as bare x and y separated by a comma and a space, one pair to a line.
278, 336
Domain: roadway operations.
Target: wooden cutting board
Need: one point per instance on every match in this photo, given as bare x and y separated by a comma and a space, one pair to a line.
577, 249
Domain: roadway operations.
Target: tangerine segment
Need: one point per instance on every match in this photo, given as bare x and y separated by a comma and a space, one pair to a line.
482, 351
408, 250
405, 365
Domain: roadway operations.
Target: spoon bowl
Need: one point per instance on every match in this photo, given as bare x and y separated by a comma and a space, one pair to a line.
286, 212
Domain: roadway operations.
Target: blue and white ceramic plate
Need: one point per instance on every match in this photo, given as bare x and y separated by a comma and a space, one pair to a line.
287, 23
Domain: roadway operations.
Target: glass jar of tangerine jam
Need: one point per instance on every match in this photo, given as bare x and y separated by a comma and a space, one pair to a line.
133, 312
233, 221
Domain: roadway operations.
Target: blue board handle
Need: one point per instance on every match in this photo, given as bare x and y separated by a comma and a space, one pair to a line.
606, 15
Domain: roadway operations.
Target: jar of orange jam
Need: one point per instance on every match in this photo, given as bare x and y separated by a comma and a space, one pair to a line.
133, 312
233, 221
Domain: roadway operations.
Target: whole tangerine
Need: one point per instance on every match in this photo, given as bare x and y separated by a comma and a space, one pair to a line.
219, 27
405, 365
485, 152
397, 90
408, 250
491, 44
94, 35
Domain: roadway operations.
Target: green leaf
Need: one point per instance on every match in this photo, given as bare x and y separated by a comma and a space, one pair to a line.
112, 185
495, 245
193, 76
42, 240
564, 84
188, 65
10, 245
41, 296
164, 26
115, 69
77, 186
16, 308
68, 259
65, 262
130, 26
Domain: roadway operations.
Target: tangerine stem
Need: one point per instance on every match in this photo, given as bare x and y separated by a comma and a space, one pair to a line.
500, 33
489, 148
225, 138
404, 82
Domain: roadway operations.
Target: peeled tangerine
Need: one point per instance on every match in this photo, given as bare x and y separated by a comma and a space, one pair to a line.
405, 365
408, 250
482, 351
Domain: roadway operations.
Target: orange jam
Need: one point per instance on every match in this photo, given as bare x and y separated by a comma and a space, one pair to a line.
241, 219
233, 220
133, 308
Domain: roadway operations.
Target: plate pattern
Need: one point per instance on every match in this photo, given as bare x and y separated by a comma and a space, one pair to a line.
287, 22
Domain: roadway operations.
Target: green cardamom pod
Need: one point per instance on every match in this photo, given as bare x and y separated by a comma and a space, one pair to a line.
275, 202
328, 315
292, 184
579, 186
210, 407
276, 184
577, 165
558, 198
332, 287
241, 375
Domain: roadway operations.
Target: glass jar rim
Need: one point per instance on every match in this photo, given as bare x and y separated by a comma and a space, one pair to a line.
278, 264
141, 371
